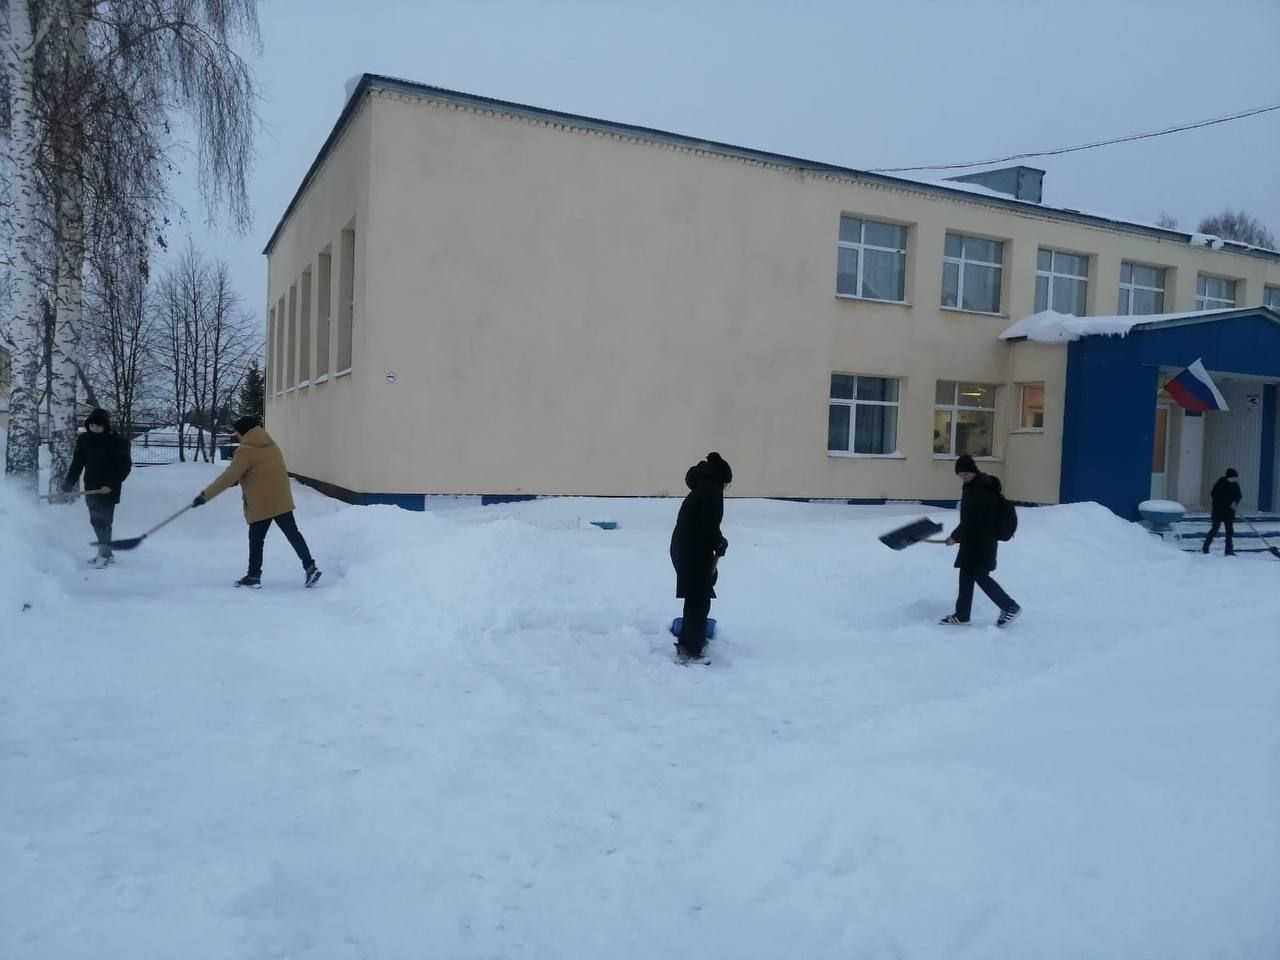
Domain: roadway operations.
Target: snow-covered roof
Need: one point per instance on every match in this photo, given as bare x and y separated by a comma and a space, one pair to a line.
1048, 326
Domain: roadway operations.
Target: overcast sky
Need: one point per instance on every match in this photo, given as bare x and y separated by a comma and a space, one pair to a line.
857, 83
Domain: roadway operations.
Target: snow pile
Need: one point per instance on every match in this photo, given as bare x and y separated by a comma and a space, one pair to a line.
1049, 326
470, 740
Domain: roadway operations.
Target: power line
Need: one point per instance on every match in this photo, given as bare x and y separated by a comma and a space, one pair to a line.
1084, 146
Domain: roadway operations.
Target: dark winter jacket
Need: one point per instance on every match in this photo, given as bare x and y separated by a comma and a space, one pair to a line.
696, 542
978, 532
1225, 495
102, 457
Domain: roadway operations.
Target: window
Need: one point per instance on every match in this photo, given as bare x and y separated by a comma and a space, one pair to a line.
1271, 297
1032, 407
964, 419
323, 295
1062, 282
280, 325
269, 386
871, 260
304, 332
1214, 293
863, 415
346, 298
971, 273
1141, 290
291, 344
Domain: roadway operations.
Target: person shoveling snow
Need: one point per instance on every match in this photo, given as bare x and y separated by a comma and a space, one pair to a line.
103, 457
978, 536
258, 467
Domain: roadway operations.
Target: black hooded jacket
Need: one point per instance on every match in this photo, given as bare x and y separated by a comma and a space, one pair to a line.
978, 532
102, 457
1224, 495
696, 542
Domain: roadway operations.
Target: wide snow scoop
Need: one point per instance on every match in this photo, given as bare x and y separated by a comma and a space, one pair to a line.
73, 494
914, 532
132, 542
1275, 551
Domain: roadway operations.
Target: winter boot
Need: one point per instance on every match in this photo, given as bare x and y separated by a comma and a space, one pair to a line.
313, 575
253, 583
685, 655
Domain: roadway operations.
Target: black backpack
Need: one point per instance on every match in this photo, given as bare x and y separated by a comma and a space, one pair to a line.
1006, 519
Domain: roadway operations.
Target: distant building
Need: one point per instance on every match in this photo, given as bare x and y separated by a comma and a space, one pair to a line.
474, 297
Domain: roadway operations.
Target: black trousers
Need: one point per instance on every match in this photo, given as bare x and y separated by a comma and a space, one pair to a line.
964, 600
1230, 524
258, 535
693, 632
102, 513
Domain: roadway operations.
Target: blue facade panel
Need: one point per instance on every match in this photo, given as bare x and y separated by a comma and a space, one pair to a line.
1109, 423
1267, 470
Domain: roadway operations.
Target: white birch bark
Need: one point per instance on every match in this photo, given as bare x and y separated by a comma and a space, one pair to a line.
18, 51
63, 423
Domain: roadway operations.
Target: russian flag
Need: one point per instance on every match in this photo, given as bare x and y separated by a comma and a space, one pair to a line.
1194, 391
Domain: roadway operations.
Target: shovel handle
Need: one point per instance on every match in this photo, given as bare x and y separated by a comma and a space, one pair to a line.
165, 522
75, 493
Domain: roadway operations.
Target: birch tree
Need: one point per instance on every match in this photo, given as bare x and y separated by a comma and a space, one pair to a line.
26, 27
157, 59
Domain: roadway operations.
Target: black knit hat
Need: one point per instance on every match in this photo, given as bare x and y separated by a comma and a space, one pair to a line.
965, 464
721, 470
1231, 472
100, 418
245, 424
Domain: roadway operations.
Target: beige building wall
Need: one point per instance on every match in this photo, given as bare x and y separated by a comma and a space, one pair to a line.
323, 426
570, 312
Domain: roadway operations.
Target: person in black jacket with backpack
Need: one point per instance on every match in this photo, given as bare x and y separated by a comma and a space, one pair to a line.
696, 546
1225, 496
104, 459
978, 536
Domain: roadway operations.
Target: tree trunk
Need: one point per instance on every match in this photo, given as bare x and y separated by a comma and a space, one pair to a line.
65, 352
22, 457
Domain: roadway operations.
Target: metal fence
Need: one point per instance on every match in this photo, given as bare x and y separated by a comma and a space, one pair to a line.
155, 444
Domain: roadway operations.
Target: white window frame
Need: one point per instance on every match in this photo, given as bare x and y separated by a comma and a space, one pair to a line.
1053, 273
1271, 297
1206, 302
955, 407
1022, 406
1131, 286
853, 403
861, 246
960, 263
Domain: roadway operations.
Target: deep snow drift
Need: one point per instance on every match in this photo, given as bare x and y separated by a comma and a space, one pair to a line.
470, 740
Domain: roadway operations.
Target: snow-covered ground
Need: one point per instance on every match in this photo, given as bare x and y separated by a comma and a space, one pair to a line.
471, 741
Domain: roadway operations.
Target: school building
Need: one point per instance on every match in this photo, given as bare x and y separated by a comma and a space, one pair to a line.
469, 297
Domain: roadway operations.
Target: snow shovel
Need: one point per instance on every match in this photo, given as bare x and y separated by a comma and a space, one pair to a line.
74, 493
132, 542
1275, 551
917, 531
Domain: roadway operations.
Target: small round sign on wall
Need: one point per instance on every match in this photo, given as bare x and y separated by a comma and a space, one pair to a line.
392, 376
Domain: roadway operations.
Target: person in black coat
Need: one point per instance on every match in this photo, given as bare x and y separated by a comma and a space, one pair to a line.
978, 538
697, 545
1225, 496
103, 457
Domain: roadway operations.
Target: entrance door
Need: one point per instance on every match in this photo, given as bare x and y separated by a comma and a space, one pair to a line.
1160, 453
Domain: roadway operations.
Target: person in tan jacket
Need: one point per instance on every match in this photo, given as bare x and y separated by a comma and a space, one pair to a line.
258, 467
